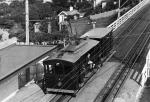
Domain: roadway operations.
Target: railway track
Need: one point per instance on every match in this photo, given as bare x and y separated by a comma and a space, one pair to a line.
131, 27
116, 81
139, 51
131, 23
126, 44
67, 98
111, 89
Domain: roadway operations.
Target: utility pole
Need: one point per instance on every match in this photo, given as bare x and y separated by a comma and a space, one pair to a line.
94, 4
119, 9
49, 28
27, 21
94, 24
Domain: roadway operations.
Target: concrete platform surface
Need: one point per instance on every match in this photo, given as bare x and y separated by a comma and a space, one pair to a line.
143, 94
95, 84
130, 88
128, 92
30, 93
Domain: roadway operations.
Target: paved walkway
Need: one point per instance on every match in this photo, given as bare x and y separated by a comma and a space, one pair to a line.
30, 93
128, 91
93, 87
143, 94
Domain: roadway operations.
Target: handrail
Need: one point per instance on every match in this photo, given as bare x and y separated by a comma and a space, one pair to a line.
127, 15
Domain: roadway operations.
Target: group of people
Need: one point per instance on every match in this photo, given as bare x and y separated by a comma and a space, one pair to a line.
90, 62
90, 67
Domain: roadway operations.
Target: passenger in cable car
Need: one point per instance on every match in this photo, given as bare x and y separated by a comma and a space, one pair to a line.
90, 63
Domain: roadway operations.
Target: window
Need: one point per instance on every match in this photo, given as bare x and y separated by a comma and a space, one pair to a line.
58, 69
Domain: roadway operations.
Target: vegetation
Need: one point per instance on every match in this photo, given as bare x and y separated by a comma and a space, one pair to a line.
15, 13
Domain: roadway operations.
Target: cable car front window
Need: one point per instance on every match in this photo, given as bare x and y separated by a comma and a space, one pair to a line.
48, 68
58, 69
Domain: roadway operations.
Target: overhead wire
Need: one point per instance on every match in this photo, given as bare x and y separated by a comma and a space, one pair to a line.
76, 75
117, 37
77, 71
124, 3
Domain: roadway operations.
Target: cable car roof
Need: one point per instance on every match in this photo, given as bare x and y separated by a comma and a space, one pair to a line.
97, 33
73, 55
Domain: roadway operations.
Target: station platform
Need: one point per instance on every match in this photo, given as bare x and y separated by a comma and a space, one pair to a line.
96, 83
129, 90
30, 93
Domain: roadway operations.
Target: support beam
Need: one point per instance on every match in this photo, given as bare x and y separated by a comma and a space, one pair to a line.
119, 9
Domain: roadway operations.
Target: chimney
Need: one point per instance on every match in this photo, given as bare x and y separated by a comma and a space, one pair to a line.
71, 8
37, 27
49, 27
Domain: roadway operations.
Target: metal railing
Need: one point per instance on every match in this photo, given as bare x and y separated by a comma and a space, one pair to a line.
127, 15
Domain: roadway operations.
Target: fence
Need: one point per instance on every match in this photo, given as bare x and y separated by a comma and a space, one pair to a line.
127, 15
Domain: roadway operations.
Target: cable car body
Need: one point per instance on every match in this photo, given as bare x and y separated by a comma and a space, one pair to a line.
63, 72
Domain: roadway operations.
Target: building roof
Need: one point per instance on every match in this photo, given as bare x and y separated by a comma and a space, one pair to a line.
71, 13
14, 57
97, 33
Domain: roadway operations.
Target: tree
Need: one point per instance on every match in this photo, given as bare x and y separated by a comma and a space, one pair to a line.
45, 10
5, 23
84, 5
17, 11
34, 12
109, 6
4, 9
61, 3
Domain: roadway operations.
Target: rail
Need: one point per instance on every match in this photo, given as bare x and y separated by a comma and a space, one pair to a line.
127, 15
113, 85
139, 51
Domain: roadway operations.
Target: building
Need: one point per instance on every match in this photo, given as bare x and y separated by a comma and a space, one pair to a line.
19, 64
65, 16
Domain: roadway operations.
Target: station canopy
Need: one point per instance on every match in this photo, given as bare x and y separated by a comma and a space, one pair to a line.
15, 57
97, 33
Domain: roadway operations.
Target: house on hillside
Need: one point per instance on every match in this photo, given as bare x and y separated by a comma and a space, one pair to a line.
65, 16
